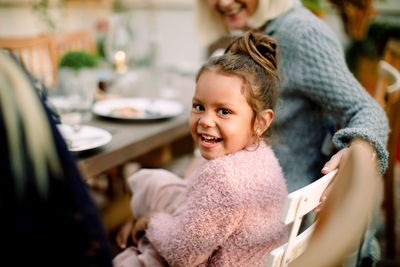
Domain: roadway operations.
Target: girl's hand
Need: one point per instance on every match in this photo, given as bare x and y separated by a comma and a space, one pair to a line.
125, 232
140, 226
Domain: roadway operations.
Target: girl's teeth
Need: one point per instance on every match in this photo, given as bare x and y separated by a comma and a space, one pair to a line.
233, 12
209, 139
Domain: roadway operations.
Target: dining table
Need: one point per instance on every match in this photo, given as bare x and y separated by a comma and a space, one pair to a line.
134, 141
130, 140
134, 138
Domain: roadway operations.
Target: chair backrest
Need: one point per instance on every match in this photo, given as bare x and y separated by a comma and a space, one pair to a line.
297, 205
387, 94
387, 90
74, 40
37, 54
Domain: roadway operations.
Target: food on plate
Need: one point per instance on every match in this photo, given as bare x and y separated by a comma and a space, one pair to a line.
126, 112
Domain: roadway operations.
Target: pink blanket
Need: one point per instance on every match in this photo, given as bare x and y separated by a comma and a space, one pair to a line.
153, 190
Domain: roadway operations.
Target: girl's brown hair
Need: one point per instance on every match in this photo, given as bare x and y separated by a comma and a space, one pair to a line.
252, 57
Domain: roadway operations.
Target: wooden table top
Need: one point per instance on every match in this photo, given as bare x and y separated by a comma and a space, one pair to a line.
130, 139
133, 138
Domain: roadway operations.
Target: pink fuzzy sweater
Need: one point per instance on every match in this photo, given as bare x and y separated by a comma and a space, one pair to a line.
232, 214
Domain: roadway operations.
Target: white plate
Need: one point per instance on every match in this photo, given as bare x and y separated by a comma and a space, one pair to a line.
87, 137
137, 108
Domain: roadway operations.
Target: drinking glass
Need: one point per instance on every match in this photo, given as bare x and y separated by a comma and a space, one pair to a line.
73, 96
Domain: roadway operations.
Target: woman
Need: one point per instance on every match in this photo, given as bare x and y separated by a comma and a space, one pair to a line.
318, 91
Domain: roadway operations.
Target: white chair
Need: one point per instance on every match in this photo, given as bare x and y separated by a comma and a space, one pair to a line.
344, 217
298, 204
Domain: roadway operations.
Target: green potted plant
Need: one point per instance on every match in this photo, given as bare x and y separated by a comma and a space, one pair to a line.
77, 60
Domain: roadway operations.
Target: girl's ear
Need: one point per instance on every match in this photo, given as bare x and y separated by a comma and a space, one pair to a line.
263, 120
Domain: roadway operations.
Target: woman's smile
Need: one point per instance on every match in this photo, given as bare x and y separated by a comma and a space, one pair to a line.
231, 11
235, 13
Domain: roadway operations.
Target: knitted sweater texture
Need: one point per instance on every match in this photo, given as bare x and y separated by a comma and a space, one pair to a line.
232, 214
318, 91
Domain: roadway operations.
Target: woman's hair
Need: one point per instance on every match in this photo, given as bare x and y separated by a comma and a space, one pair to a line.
27, 129
210, 26
252, 57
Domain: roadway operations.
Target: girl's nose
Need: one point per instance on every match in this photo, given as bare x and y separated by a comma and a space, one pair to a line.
207, 120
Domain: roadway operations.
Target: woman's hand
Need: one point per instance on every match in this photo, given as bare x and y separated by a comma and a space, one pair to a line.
331, 165
334, 162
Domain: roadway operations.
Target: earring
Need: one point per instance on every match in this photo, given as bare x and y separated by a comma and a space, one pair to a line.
258, 131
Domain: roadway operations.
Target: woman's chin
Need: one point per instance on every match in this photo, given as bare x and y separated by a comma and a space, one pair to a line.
235, 25
237, 22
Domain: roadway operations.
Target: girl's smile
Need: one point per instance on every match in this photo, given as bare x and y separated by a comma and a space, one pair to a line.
209, 141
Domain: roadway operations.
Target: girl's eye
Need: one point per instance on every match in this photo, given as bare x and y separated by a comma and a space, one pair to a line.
198, 107
224, 111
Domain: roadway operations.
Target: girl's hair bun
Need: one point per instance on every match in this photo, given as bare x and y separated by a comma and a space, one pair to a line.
251, 57
260, 47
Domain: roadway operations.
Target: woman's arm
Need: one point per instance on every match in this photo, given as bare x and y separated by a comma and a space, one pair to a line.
319, 72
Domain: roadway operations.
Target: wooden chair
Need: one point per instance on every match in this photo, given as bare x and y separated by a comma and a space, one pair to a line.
298, 204
392, 52
37, 54
387, 94
75, 40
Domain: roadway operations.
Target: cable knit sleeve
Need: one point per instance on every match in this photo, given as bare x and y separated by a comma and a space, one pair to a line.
211, 216
320, 74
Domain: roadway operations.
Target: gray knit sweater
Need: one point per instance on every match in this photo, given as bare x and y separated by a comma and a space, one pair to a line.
318, 91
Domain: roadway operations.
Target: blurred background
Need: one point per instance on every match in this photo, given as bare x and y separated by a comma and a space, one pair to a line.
161, 34
162, 30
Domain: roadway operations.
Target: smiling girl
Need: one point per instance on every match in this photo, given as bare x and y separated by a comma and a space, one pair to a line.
228, 212
222, 120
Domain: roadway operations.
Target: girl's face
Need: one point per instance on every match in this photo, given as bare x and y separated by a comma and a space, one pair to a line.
235, 13
221, 120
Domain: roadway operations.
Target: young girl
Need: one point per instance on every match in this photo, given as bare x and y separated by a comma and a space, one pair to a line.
228, 212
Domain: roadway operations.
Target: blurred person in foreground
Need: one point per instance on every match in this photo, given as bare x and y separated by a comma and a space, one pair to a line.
48, 217
322, 107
